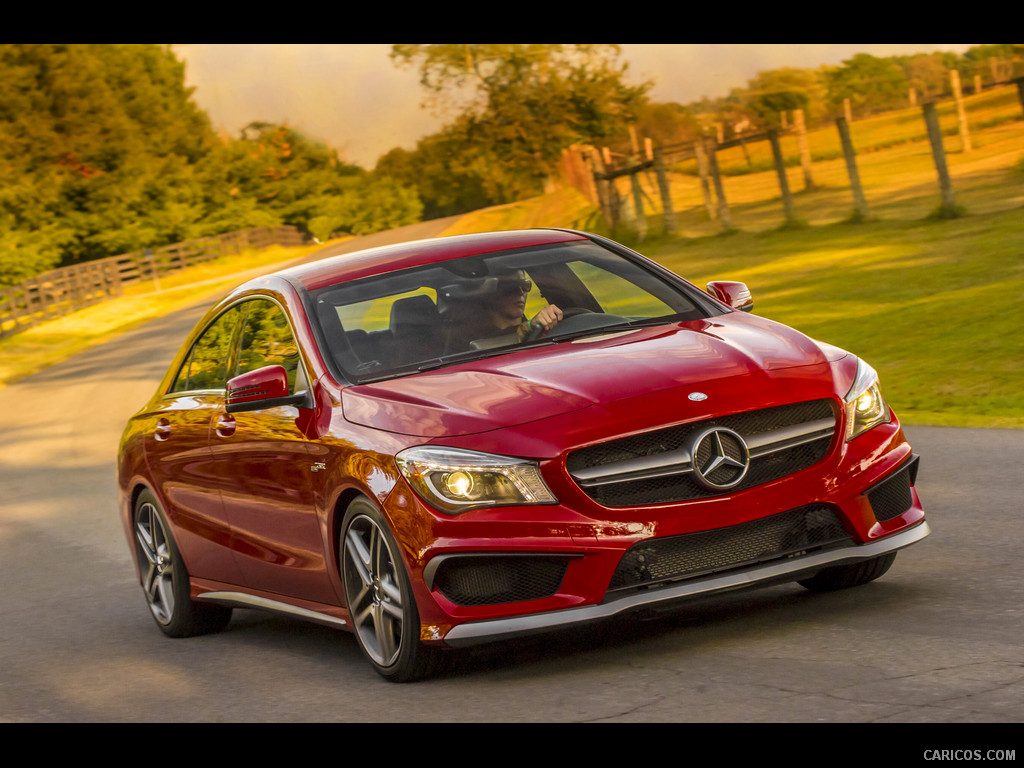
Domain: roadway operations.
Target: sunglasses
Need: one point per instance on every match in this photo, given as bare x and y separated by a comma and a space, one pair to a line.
513, 285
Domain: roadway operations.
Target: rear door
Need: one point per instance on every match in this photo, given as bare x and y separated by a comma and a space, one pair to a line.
178, 452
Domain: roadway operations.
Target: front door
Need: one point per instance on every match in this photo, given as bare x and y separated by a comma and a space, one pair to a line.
266, 471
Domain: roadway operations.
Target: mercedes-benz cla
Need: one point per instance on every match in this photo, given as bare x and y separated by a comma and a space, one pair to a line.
466, 439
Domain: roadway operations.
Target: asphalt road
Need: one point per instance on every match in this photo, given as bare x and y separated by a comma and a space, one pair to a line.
937, 640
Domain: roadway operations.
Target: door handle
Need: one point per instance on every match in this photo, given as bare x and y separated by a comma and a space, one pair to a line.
163, 430
225, 425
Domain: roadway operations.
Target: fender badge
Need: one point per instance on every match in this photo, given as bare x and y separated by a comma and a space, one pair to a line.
697, 396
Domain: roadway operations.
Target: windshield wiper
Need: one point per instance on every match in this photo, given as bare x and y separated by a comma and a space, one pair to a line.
618, 327
475, 354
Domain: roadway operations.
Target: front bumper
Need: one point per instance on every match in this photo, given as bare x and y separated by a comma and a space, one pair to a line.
473, 633
495, 574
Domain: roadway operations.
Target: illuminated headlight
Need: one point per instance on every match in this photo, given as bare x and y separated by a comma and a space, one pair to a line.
865, 406
453, 480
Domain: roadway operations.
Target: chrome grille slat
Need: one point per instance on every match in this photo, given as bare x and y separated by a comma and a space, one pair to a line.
657, 467
637, 469
789, 437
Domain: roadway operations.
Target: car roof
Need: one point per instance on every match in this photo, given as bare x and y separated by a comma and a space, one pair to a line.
373, 261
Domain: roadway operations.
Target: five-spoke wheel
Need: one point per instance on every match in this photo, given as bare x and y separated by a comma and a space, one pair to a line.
156, 566
379, 598
164, 578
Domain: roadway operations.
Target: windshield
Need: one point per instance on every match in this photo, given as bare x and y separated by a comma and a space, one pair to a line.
478, 306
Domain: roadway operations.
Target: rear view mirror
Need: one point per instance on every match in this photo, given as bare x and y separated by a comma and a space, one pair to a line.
263, 388
735, 295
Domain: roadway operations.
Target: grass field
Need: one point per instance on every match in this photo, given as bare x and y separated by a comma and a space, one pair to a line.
936, 306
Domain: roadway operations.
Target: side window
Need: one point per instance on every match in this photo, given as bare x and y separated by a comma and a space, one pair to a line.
267, 340
617, 295
206, 367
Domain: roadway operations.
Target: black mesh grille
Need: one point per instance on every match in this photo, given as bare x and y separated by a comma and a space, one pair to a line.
487, 580
683, 487
812, 527
892, 497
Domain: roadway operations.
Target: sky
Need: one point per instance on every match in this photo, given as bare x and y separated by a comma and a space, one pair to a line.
354, 98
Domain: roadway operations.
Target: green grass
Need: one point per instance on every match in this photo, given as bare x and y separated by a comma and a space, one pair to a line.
935, 305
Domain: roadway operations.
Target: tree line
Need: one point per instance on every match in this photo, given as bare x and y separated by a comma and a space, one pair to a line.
867, 83
103, 151
518, 106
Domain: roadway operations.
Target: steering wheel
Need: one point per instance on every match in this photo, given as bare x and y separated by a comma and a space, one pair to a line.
536, 331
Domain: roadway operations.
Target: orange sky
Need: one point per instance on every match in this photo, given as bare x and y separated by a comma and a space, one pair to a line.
352, 97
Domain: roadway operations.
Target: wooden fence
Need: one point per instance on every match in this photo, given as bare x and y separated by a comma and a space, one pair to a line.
601, 168
60, 291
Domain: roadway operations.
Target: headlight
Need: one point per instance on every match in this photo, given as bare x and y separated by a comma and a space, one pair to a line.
865, 406
453, 480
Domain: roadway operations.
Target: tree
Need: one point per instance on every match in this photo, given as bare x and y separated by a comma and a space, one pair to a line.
103, 152
778, 90
98, 145
995, 62
667, 123
517, 106
870, 83
371, 207
439, 172
928, 75
273, 175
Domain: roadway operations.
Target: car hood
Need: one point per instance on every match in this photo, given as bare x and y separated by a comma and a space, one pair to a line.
531, 384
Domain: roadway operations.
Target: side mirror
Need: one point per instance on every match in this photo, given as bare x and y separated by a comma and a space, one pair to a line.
735, 295
263, 388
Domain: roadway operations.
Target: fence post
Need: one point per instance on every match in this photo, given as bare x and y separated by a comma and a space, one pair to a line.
723, 205
931, 119
780, 169
705, 185
805, 150
860, 206
606, 191
668, 215
638, 205
1020, 89
148, 253
961, 113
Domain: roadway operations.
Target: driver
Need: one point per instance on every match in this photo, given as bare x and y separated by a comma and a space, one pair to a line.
506, 312
500, 312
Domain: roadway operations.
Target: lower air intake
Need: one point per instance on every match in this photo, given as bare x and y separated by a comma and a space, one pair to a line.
673, 558
489, 580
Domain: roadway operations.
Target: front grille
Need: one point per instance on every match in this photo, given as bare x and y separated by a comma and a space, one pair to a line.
493, 579
656, 561
657, 467
892, 497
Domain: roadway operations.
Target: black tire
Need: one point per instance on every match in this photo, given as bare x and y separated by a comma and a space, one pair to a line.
845, 576
164, 578
378, 594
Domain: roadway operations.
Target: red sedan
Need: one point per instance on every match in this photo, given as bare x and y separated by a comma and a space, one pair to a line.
466, 439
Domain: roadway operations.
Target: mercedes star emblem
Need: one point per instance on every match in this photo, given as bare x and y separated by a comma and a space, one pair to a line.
720, 459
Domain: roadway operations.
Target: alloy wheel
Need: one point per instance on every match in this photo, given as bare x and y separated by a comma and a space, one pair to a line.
156, 562
373, 590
